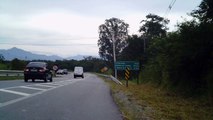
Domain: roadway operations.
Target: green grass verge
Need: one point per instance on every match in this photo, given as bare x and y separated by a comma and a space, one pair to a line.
3, 66
2, 78
161, 104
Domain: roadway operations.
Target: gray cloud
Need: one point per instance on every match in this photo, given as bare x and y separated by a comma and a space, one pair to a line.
85, 16
95, 7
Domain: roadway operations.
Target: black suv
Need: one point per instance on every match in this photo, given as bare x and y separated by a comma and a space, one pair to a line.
37, 70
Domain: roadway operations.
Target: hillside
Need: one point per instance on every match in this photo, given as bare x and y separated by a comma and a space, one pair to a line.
14, 52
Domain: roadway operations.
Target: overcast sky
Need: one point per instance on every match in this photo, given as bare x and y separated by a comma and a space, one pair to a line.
70, 27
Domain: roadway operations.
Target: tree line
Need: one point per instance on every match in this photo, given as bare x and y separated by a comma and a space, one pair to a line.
181, 60
90, 64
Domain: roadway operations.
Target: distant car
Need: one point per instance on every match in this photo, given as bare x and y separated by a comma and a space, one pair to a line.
37, 70
60, 71
65, 71
78, 72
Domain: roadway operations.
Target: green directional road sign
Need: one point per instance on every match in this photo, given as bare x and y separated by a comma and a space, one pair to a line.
122, 65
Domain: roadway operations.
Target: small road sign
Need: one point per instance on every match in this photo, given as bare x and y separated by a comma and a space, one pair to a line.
55, 67
127, 75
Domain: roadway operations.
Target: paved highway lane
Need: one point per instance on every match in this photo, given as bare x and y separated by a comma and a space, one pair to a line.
65, 99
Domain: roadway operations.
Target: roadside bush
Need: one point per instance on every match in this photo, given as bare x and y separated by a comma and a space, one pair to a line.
183, 60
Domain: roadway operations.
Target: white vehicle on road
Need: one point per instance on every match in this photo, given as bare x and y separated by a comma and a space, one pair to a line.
78, 72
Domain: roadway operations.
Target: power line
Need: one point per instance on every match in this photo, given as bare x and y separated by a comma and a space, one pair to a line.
169, 8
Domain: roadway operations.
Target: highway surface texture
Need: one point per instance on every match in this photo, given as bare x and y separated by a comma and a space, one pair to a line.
65, 98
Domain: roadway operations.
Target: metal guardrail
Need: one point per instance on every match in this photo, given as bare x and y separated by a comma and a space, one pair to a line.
112, 78
11, 73
115, 80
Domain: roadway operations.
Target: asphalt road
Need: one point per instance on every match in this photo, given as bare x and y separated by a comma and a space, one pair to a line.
65, 98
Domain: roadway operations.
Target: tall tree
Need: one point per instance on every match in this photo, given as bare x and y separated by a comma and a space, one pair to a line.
205, 11
1, 58
135, 48
154, 26
112, 28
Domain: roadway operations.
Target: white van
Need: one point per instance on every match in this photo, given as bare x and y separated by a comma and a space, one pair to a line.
78, 72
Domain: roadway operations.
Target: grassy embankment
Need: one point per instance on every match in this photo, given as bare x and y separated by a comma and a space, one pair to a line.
146, 101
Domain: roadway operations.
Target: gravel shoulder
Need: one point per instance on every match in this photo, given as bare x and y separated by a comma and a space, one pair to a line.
130, 108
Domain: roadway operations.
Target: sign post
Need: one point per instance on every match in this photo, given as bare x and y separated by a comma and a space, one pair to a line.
55, 67
127, 66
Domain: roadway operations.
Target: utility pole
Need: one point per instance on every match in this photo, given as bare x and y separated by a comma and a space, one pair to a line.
114, 56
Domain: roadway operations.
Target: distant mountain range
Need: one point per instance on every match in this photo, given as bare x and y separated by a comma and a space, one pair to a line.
14, 52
